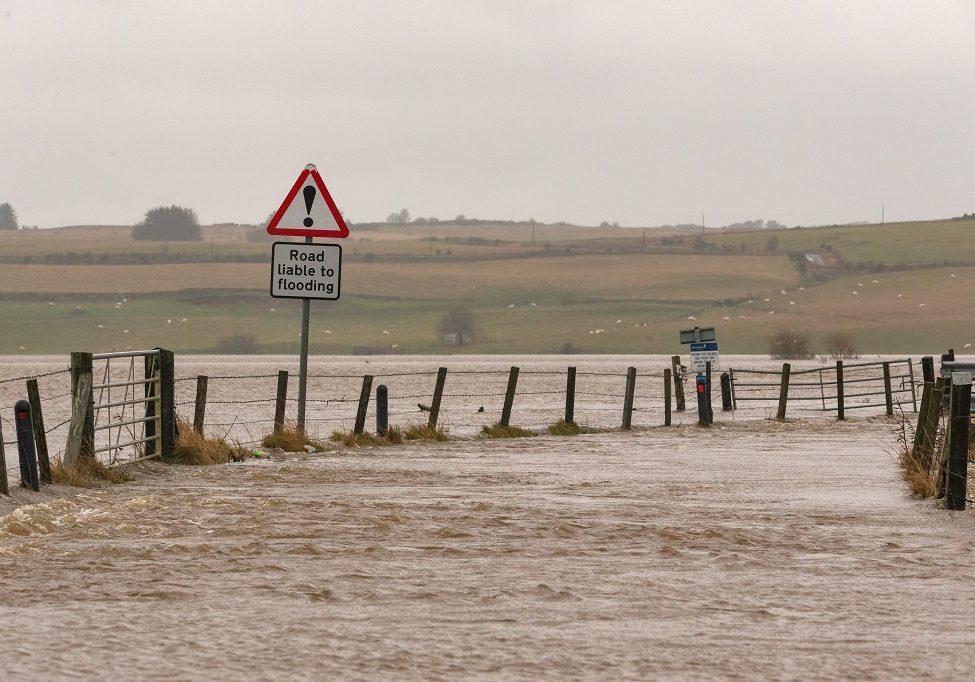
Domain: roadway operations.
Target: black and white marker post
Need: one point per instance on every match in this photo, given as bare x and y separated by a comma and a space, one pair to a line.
307, 270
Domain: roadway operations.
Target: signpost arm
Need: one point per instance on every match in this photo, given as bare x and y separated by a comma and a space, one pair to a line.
303, 360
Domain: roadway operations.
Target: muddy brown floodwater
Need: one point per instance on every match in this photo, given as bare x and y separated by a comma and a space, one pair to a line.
750, 550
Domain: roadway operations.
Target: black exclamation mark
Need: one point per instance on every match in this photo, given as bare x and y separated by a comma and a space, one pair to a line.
309, 193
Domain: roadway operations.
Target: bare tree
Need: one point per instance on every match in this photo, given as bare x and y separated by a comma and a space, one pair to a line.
788, 344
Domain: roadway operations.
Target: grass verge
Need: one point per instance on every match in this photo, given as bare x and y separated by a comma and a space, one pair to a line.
499, 431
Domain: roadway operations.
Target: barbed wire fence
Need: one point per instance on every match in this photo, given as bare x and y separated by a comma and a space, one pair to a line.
241, 406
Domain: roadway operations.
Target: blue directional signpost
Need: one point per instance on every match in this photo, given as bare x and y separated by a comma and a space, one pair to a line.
703, 344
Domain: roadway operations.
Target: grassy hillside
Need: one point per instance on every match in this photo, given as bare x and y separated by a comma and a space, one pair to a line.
605, 290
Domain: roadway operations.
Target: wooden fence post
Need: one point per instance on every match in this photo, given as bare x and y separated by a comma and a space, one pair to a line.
888, 396
360, 416
927, 369
167, 401
200, 408
40, 438
437, 397
840, 408
151, 391
74, 449
956, 469
382, 410
910, 371
628, 397
922, 417
4, 486
783, 391
931, 420
725, 392
570, 395
707, 389
281, 400
509, 396
81, 365
667, 389
678, 382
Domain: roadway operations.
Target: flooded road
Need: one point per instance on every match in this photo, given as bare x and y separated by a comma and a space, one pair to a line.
748, 550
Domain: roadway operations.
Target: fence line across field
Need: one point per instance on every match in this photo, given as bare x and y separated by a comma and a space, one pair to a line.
122, 407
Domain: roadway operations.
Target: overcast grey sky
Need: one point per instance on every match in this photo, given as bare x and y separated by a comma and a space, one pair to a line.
639, 112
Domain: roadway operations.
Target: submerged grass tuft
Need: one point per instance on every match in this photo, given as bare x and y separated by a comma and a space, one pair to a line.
196, 449
919, 468
564, 428
290, 439
499, 431
424, 432
356, 440
395, 435
89, 473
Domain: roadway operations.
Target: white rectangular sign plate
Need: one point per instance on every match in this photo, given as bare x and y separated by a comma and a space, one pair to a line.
306, 270
703, 353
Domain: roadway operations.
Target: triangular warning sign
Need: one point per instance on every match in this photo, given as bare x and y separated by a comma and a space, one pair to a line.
308, 210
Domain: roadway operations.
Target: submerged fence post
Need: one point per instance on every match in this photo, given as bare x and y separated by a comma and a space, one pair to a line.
725, 392
200, 408
74, 449
281, 400
678, 382
25, 446
437, 397
839, 391
922, 417
888, 397
570, 395
628, 397
707, 387
167, 401
81, 366
783, 391
360, 415
151, 392
40, 438
4, 487
956, 469
667, 389
910, 371
509, 396
382, 410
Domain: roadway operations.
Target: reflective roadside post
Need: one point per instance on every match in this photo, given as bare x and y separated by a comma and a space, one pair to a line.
702, 400
25, 446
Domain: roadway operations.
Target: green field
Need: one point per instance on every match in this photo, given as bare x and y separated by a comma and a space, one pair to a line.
599, 290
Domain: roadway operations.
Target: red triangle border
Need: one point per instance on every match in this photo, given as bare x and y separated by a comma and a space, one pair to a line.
341, 233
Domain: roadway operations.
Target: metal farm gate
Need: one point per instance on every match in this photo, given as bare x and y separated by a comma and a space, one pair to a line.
128, 415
